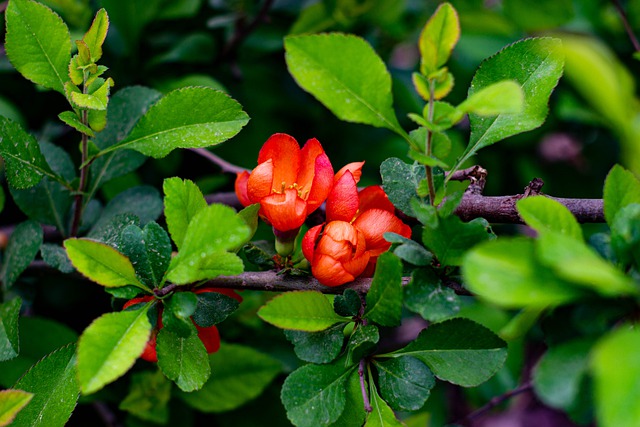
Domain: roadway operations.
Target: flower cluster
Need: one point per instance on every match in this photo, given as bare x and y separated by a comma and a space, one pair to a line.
290, 183
208, 335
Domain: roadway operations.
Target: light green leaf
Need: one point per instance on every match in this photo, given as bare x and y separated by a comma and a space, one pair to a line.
94, 37
540, 62
101, 263
384, 299
621, 188
148, 397
12, 402
182, 201
506, 272
183, 359
96, 100
9, 341
23, 159
427, 296
546, 215
381, 415
459, 350
213, 118
503, 97
22, 248
55, 390
576, 262
38, 43
308, 311
345, 74
72, 119
616, 368
405, 382
109, 347
316, 394
240, 374
438, 38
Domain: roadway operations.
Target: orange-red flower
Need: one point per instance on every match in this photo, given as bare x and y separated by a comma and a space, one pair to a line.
351, 241
208, 335
289, 182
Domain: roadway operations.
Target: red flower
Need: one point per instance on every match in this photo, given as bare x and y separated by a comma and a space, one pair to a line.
209, 335
351, 241
289, 182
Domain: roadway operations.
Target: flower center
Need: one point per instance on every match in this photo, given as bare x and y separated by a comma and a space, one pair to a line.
302, 193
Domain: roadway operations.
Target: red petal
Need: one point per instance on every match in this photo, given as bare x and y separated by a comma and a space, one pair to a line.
355, 168
342, 203
284, 211
260, 181
356, 266
309, 241
241, 188
322, 182
374, 197
210, 338
330, 272
285, 153
374, 223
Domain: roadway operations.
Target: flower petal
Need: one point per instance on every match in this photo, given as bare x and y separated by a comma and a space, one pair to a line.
357, 265
309, 241
374, 197
342, 203
284, 211
322, 183
242, 179
355, 168
373, 223
260, 181
329, 271
284, 150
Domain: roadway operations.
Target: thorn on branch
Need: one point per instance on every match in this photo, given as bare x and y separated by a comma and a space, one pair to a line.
534, 188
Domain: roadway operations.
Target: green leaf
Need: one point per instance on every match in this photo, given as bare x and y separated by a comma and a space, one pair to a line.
625, 235
38, 43
354, 413
149, 251
459, 350
250, 216
348, 304
94, 37
240, 375
9, 341
507, 272
182, 201
317, 347
212, 232
414, 253
183, 359
213, 118
316, 394
109, 347
108, 232
547, 215
400, 181
563, 391
308, 311
428, 297
503, 97
381, 415
346, 75
438, 38
23, 246
405, 382
38, 337
124, 110
621, 188
148, 397
616, 369
175, 317
540, 63
12, 402
384, 299
362, 342
452, 238
95, 100
576, 262
55, 390
101, 263
143, 201
72, 119
23, 159
213, 308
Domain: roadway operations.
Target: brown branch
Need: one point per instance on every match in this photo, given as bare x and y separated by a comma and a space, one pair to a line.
495, 402
225, 166
625, 23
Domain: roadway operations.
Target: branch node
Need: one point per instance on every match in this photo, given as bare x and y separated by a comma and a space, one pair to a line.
534, 188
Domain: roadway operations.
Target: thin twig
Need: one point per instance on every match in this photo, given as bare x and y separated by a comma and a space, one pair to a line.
527, 386
627, 26
363, 386
225, 166
106, 414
